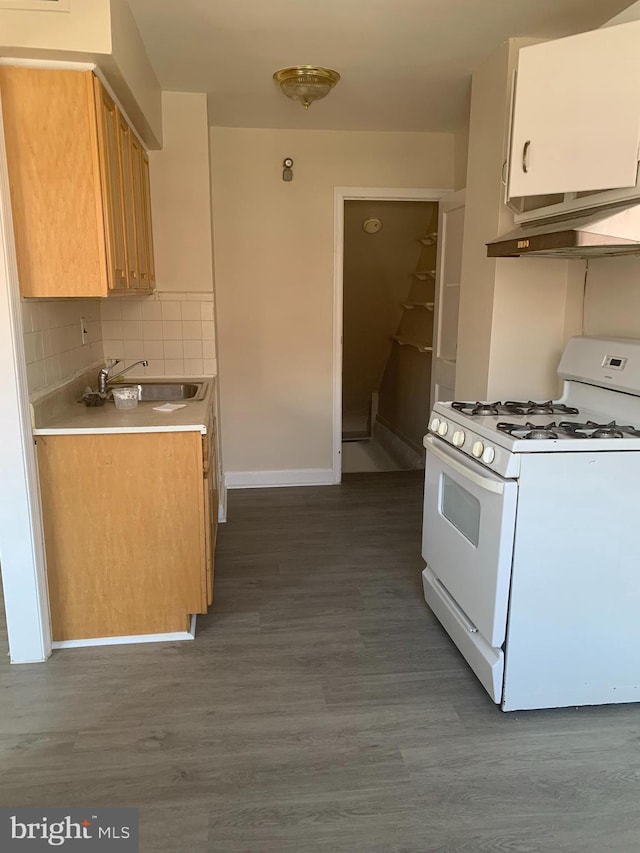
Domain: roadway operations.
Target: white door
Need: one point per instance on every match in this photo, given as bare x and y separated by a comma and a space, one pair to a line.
468, 534
576, 123
447, 296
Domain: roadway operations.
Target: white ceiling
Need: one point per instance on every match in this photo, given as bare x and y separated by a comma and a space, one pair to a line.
405, 64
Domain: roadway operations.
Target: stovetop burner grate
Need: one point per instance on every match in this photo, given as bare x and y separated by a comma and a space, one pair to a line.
530, 431
591, 429
570, 429
512, 407
547, 407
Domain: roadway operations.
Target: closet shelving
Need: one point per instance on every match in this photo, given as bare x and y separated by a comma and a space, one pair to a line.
415, 328
429, 239
410, 305
404, 342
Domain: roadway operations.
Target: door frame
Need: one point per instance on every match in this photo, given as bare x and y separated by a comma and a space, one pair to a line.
340, 195
455, 201
24, 575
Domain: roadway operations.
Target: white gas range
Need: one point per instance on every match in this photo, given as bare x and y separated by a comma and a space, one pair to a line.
530, 517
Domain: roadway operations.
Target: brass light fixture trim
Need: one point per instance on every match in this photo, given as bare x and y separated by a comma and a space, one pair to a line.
306, 83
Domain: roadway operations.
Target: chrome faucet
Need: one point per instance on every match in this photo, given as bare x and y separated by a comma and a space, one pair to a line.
105, 377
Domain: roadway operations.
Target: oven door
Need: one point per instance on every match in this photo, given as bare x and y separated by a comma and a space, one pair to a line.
467, 537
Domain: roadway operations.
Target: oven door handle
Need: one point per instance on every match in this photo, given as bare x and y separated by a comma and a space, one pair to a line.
483, 482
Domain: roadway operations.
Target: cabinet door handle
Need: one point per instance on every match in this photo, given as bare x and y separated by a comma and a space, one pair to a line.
525, 156
133, 274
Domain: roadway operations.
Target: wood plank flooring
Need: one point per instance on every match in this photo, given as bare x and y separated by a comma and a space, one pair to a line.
321, 709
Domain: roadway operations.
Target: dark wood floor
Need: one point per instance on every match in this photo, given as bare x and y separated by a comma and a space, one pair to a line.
321, 708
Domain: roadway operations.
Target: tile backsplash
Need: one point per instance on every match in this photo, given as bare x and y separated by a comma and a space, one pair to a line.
173, 331
53, 340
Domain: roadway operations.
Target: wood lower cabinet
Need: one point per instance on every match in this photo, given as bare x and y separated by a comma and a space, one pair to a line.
211, 501
81, 207
129, 531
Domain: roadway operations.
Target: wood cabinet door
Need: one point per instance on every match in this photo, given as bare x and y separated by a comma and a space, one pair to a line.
215, 498
142, 215
139, 569
210, 484
112, 188
126, 153
51, 137
576, 123
146, 209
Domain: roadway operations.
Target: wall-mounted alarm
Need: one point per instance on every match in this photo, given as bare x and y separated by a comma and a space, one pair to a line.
372, 225
287, 169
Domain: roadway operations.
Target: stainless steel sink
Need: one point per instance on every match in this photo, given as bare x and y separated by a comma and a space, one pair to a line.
167, 391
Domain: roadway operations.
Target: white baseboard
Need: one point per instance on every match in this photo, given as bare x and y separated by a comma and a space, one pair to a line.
222, 505
397, 445
171, 637
277, 479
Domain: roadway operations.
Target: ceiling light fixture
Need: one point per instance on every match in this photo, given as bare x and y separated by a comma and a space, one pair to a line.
306, 83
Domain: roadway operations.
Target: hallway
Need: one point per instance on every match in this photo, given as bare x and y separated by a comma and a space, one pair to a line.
321, 708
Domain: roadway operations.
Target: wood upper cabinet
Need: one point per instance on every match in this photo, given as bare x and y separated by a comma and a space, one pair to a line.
69, 153
576, 121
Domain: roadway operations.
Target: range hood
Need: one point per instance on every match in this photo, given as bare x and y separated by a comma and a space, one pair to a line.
595, 234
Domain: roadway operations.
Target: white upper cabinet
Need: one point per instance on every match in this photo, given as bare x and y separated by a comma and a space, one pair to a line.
576, 122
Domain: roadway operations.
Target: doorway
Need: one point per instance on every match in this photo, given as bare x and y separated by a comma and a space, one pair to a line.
384, 294
388, 300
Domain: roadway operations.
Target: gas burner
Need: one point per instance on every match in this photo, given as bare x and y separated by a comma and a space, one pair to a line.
530, 431
476, 409
534, 408
607, 432
512, 407
591, 429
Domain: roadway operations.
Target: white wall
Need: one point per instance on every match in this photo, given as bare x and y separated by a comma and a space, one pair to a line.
632, 13
86, 28
612, 304
273, 252
612, 295
100, 31
461, 156
181, 196
131, 74
537, 308
515, 313
22, 561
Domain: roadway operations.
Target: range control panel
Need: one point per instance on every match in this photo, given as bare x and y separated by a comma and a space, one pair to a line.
615, 362
479, 448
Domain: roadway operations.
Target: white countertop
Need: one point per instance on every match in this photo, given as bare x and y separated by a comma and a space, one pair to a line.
73, 418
